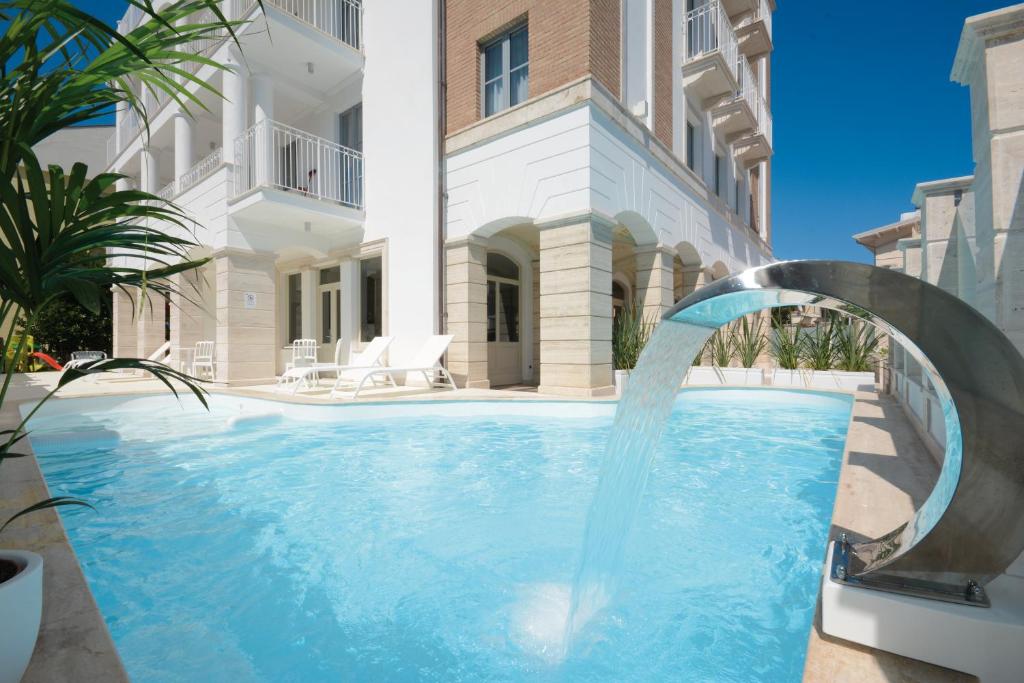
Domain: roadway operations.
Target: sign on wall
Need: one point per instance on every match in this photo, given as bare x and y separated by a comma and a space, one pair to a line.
250, 300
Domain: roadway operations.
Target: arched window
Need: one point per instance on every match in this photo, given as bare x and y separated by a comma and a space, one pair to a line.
501, 266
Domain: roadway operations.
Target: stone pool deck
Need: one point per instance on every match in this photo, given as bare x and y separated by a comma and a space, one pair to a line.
877, 490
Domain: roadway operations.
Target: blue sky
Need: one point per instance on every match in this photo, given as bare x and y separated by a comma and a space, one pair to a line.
863, 110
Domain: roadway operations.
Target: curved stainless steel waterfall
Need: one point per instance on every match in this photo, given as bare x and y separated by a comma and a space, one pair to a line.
971, 528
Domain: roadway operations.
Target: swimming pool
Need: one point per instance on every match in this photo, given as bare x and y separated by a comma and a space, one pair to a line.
436, 541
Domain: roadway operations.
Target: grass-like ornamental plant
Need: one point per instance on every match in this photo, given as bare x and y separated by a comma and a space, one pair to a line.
748, 340
62, 67
786, 343
818, 350
630, 334
856, 345
720, 347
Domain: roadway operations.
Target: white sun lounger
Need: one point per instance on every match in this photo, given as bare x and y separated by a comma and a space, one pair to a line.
427, 361
83, 357
370, 357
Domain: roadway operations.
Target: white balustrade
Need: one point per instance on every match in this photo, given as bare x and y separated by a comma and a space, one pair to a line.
751, 93
708, 29
201, 169
271, 154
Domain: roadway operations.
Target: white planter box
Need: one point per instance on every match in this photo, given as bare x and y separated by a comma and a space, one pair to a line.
744, 377
621, 380
824, 379
21, 606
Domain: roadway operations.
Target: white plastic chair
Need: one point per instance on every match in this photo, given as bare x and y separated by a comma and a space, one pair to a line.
369, 357
203, 359
426, 361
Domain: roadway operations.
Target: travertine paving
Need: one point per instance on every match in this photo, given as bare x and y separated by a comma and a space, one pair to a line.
887, 473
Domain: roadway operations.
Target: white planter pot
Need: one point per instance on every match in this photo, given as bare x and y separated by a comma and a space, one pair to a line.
824, 379
745, 377
621, 379
21, 607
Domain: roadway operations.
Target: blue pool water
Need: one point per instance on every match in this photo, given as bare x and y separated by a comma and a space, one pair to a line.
441, 546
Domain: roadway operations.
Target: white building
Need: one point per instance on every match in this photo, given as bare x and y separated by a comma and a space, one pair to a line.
506, 173
966, 235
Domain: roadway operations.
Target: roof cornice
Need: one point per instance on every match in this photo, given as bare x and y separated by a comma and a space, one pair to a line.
944, 186
977, 32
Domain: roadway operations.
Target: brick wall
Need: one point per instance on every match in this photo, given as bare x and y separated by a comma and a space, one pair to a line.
568, 40
663, 71
606, 43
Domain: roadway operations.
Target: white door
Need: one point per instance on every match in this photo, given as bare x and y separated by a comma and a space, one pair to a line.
328, 313
504, 347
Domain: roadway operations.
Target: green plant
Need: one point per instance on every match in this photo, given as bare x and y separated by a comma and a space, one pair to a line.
818, 350
786, 345
719, 347
630, 334
62, 67
856, 345
65, 327
749, 340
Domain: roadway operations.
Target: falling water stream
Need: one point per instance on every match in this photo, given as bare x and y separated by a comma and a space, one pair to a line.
640, 419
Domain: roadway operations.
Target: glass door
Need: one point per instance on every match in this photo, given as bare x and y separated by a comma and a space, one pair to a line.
328, 313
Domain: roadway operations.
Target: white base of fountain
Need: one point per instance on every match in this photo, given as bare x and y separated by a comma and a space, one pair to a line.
985, 642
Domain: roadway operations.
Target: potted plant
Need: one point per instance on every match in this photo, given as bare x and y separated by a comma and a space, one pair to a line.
749, 342
65, 67
856, 344
786, 347
630, 333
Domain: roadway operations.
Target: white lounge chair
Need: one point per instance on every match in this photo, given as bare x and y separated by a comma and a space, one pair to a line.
370, 357
426, 361
82, 357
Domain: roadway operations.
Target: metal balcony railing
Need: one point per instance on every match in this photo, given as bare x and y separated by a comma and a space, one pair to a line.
340, 19
201, 170
708, 29
271, 154
751, 93
764, 12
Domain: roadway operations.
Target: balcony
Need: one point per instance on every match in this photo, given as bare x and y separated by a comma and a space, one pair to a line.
288, 177
710, 61
201, 170
757, 146
734, 7
754, 30
322, 40
341, 20
736, 116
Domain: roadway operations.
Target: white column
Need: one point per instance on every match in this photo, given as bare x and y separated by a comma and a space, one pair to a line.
262, 98
348, 326
263, 113
233, 122
184, 132
150, 174
310, 284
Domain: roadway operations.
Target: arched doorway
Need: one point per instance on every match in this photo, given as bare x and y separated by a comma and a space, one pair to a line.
504, 345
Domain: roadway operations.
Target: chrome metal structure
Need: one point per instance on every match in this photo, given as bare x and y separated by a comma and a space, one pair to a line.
971, 527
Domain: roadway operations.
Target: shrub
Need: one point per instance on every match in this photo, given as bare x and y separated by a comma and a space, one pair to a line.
630, 334
719, 347
856, 345
748, 340
786, 346
818, 350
